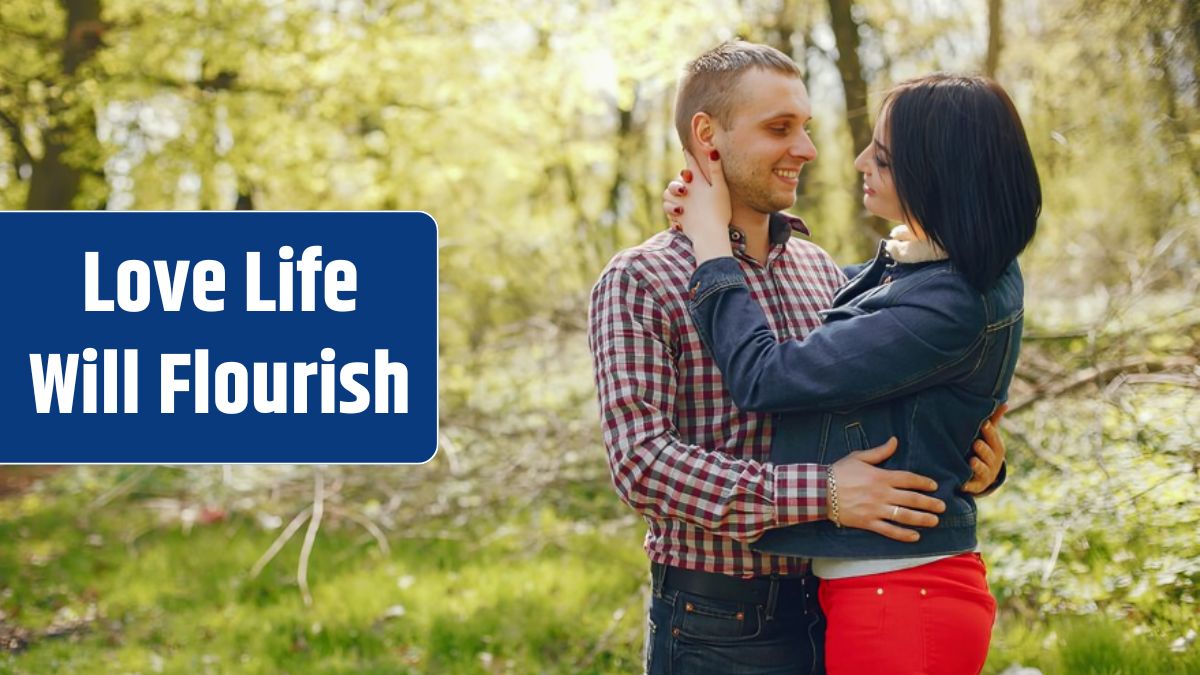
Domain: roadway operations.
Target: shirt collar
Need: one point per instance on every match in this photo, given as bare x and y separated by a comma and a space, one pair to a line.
780, 228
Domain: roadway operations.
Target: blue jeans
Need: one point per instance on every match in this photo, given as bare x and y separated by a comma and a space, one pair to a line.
691, 634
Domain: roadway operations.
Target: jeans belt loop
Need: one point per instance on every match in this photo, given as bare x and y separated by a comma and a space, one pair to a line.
804, 596
772, 598
657, 574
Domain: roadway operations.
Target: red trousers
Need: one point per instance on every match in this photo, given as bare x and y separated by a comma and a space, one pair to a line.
928, 620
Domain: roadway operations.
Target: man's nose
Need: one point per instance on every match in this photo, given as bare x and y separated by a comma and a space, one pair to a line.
804, 148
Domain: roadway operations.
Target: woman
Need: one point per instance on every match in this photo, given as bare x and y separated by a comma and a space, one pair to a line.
921, 344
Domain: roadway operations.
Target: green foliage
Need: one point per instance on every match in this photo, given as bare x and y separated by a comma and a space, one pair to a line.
539, 593
1086, 646
540, 135
535, 590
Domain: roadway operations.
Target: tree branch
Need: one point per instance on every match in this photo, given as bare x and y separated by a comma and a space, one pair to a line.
16, 136
1139, 364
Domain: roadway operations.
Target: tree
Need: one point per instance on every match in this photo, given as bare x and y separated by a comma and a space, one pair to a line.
854, 89
995, 37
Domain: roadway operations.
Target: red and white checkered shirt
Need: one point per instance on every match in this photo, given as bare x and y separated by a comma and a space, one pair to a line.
681, 453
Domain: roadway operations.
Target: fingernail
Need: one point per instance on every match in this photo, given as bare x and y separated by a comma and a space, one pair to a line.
686, 174
678, 210
682, 190
714, 155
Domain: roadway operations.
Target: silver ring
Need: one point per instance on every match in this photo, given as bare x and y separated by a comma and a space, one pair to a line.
895, 510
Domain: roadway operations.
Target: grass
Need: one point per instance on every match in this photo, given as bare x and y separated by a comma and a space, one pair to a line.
544, 593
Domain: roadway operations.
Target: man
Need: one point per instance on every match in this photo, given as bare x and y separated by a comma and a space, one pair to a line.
681, 454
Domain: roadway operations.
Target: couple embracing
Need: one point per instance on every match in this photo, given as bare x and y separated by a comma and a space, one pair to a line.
806, 442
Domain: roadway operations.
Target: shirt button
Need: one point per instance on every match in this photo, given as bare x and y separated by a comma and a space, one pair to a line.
878, 591
923, 592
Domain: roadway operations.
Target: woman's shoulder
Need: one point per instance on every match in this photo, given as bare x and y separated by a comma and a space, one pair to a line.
943, 290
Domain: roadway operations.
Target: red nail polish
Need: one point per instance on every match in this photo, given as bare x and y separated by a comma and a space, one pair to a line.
682, 190
714, 155
686, 175
679, 210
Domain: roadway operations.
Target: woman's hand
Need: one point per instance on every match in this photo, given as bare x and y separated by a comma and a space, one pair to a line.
700, 208
989, 455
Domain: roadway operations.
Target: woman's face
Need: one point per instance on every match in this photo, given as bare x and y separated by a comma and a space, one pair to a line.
879, 190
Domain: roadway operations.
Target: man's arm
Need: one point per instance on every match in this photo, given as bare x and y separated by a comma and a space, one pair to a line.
662, 477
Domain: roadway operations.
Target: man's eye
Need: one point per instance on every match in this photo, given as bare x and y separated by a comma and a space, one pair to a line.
779, 130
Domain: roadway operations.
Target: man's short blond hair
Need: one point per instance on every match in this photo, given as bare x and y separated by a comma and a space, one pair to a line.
710, 82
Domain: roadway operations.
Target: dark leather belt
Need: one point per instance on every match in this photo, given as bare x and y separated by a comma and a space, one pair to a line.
754, 590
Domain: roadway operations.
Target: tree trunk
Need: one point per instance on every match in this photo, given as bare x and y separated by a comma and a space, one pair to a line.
995, 37
56, 181
1191, 17
854, 89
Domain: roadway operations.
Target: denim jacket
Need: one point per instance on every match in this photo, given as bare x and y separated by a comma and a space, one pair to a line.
907, 350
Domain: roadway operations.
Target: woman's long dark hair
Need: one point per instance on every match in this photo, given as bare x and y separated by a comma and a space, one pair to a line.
963, 170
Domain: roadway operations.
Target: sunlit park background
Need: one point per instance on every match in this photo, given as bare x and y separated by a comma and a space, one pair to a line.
539, 135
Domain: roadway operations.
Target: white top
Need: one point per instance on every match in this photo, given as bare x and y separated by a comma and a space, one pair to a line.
842, 568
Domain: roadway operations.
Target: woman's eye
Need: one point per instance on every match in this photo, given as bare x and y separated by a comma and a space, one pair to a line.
779, 130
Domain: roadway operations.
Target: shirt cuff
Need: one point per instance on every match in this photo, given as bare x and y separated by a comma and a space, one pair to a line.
800, 491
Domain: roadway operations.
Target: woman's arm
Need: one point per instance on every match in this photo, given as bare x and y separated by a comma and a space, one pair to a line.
890, 352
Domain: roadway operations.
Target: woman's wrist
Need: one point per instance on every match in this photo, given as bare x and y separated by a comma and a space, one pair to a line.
705, 249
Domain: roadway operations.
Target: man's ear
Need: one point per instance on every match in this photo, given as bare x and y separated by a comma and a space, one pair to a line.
704, 133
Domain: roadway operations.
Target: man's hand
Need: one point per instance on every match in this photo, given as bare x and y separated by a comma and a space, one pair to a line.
989, 454
874, 499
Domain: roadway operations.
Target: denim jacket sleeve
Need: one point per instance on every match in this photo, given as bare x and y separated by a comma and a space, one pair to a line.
912, 343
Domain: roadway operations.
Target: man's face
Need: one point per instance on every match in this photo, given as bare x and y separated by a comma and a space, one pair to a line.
766, 143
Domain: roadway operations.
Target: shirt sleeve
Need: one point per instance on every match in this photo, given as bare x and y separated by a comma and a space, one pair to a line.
654, 470
862, 359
